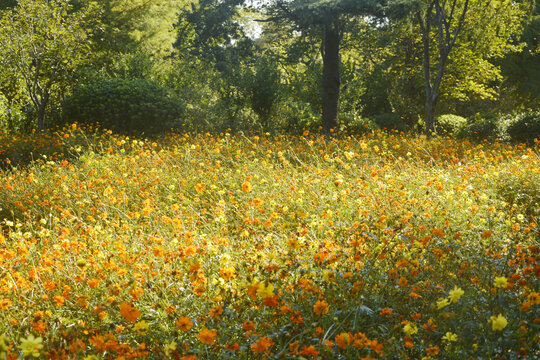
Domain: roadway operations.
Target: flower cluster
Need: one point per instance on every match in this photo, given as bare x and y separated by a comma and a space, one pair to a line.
251, 246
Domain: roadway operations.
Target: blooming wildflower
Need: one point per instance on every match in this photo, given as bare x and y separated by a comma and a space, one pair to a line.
31, 346
265, 291
501, 282
170, 348
207, 336
262, 345
246, 186
141, 327
534, 298
343, 340
328, 275
184, 323
320, 307
450, 336
455, 294
385, 311
309, 351
498, 322
200, 187
432, 350
129, 312
410, 329
442, 303
403, 282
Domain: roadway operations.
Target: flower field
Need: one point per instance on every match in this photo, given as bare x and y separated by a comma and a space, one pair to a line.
383, 246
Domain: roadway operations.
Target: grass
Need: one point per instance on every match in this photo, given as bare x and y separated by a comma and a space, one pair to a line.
383, 246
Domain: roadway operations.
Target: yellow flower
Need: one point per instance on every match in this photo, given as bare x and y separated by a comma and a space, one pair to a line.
442, 303
169, 348
410, 329
328, 275
31, 346
265, 291
141, 327
498, 322
501, 282
455, 294
450, 336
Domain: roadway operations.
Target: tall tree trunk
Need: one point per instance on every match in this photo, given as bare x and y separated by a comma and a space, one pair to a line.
331, 81
41, 119
431, 103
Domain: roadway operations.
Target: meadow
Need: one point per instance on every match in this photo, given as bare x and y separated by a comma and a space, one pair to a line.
251, 246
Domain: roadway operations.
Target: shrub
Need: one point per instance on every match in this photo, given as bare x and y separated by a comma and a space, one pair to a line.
124, 106
389, 121
478, 127
525, 127
450, 124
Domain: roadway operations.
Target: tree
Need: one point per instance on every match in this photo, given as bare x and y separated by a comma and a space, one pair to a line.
43, 43
329, 16
522, 66
447, 17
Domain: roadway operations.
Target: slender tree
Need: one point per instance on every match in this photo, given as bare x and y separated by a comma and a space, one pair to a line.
445, 20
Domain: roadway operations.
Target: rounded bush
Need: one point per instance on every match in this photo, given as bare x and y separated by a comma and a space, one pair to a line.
450, 124
124, 106
525, 127
389, 121
479, 128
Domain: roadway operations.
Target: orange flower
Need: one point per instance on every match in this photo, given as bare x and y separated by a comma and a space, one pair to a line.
248, 325
385, 311
343, 340
320, 307
216, 311
403, 282
246, 186
207, 336
262, 345
93, 283
184, 323
59, 299
200, 187
309, 351
129, 312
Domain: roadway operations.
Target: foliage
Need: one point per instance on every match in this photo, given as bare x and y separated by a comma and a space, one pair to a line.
389, 121
133, 26
480, 128
44, 43
125, 105
342, 247
264, 87
525, 126
450, 124
356, 124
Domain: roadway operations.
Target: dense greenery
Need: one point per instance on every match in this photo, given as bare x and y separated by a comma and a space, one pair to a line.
125, 106
279, 64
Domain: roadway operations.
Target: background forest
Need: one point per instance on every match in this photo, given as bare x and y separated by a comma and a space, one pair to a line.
277, 65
